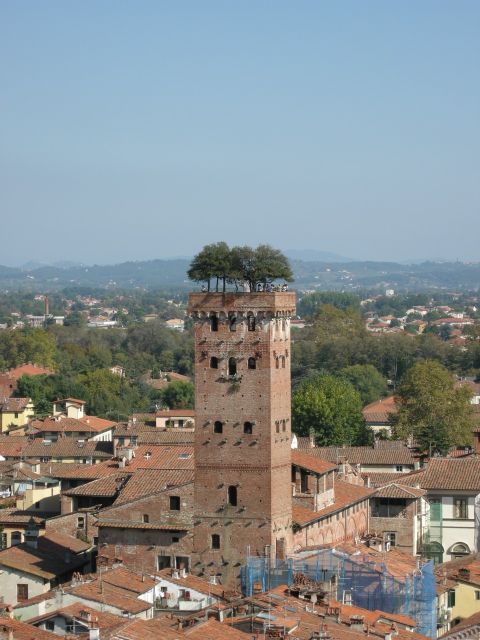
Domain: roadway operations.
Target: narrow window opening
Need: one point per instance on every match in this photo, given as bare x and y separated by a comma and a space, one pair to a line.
248, 428
277, 363
283, 362
232, 367
252, 363
146, 518
174, 503
214, 322
213, 362
232, 496
251, 323
232, 321
218, 427
215, 541
277, 427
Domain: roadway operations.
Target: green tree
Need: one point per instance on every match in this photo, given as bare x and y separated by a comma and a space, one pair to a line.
432, 409
213, 261
261, 265
331, 409
179, 395
367, 380
310, 303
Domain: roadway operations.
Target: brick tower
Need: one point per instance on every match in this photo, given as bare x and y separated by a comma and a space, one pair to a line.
243, 501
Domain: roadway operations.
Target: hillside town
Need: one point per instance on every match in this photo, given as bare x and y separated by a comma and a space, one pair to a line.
227, 520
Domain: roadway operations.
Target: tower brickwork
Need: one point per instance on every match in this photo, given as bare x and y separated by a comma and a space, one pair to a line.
242, 492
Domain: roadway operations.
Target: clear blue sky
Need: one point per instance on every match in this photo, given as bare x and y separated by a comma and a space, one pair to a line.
138, 130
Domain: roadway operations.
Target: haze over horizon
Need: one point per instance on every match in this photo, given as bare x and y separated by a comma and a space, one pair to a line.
137, 131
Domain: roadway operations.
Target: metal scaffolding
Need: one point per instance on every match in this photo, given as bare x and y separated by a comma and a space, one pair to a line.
353, 579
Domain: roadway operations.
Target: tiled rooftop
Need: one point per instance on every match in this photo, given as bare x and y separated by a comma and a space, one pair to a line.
447, 474
345, 495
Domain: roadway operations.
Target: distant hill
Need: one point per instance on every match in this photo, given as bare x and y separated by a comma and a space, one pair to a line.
313, 255
309, 275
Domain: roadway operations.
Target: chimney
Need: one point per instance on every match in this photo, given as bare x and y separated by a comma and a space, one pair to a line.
312, 441
46, 306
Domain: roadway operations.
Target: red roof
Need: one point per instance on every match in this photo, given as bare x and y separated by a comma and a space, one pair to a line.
28, 370
307, 461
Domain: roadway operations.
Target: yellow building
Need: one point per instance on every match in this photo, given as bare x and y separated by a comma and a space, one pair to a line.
15, 413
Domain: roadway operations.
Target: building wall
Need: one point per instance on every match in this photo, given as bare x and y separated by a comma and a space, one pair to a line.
466, 603
338, 527
257, 464
453, 529
140, 547
68, 524
8, 530
43, 499
9, 579
17, 419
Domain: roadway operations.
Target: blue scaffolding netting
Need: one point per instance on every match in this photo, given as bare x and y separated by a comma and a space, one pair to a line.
355, 579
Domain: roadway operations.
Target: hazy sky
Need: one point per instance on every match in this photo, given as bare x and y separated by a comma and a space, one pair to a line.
138, 130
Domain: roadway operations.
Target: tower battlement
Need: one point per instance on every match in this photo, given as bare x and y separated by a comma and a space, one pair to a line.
274, 303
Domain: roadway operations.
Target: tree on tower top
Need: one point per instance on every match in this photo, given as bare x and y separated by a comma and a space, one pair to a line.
240, 266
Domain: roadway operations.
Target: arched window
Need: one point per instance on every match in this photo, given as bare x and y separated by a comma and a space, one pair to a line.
277, 363
232, 367
283, 362
215, 541
459, 550
213, 362
248, 428
218, 427
277, 426
284, 425
214, 322
232, 321
251, 322
252, 363
232, 495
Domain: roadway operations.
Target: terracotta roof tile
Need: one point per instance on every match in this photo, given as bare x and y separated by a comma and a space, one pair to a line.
394, 490
447, 474
25, 631
366, 455
28, 370
380, 411
48, 560
106, 487
146, 482
345, 495
14, 404
312, 463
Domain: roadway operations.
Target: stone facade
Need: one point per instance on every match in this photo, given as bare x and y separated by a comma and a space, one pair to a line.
147, 534
79, 524
243, 490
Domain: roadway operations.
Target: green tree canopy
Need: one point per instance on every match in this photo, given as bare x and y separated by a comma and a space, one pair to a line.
432, 409
367, 380
179, 395
331, 409
239, 265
